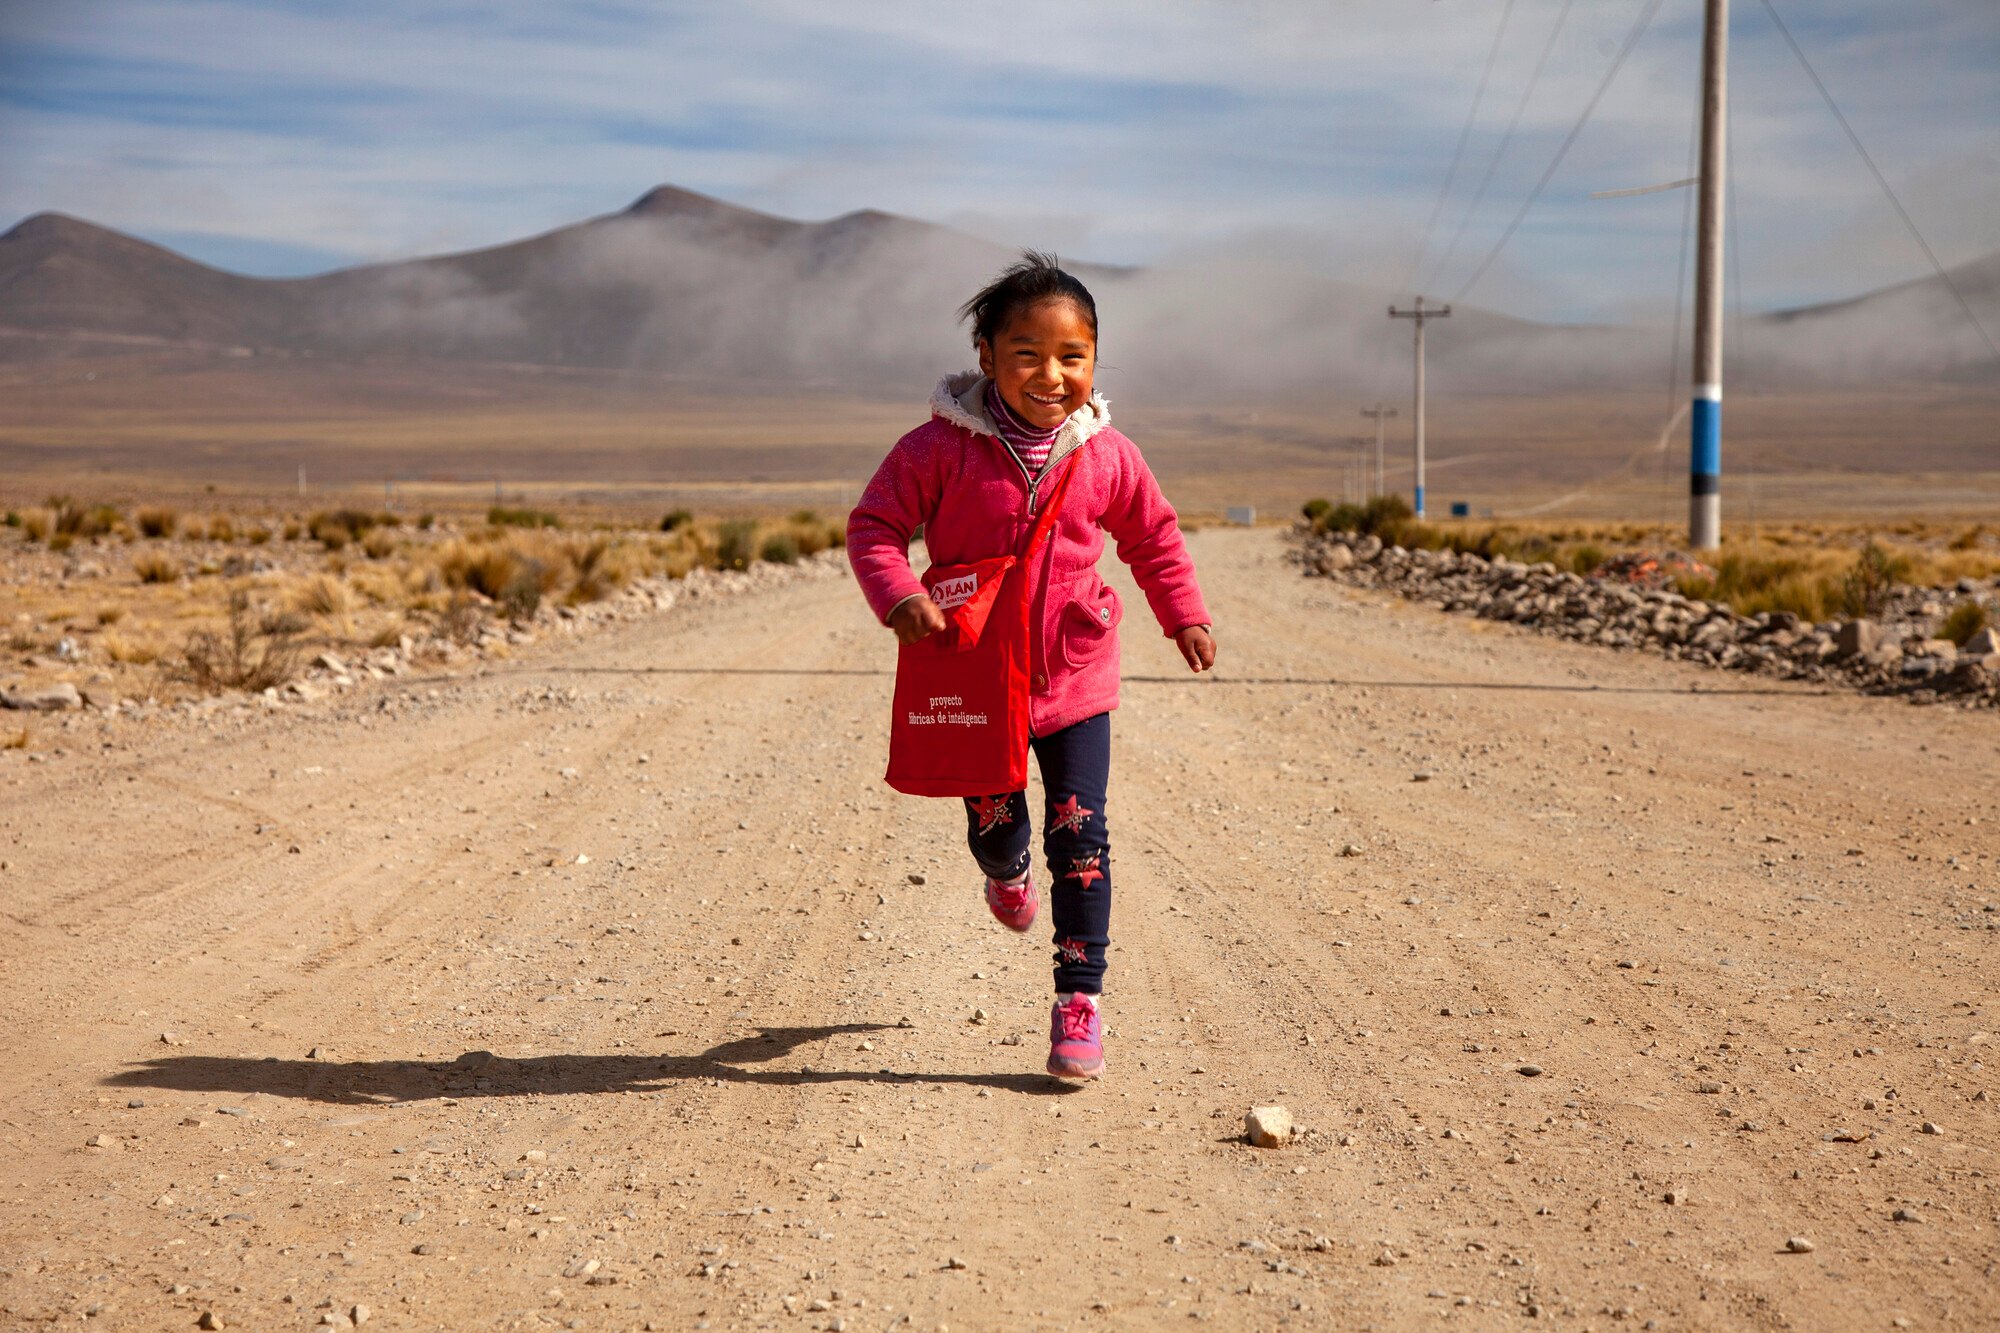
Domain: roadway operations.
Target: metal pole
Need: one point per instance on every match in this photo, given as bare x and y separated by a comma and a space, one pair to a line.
1380, 414
1419, 314
1705, 455
1420, 408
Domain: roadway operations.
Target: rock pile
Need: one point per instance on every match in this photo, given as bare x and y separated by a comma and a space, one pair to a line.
1899, 657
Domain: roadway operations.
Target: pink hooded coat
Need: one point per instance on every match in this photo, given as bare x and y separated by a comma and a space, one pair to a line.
973, 498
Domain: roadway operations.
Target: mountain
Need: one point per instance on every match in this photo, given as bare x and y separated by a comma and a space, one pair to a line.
686, 284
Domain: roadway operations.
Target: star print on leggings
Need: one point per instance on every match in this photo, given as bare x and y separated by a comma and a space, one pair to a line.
1084, 869
991, 812
1068, 813
1072, 951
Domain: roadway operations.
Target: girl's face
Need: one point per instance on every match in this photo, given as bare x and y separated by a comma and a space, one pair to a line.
1042, 361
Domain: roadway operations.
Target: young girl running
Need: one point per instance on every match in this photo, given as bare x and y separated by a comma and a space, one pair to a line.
973, 478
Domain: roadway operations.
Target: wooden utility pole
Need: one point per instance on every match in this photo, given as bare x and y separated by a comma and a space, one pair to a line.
1420, 314
1378, 412
1705, 455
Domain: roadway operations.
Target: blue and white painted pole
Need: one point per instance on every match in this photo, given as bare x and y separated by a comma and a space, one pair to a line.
1705, 455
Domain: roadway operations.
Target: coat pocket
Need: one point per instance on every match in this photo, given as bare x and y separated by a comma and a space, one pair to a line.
1089, 625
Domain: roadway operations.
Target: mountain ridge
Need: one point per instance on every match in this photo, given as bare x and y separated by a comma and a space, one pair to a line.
681, 281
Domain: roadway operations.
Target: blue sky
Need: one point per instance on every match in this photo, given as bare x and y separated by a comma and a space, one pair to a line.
281, 138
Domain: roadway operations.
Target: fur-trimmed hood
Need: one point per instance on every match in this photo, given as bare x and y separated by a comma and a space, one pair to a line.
960, 400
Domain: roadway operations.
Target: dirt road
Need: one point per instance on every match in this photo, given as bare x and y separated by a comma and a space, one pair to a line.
314, 1011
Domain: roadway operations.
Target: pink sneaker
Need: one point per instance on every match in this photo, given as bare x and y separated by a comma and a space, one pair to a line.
1076, 1039
1013, 905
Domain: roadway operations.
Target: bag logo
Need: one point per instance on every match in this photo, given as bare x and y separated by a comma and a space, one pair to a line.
955, 592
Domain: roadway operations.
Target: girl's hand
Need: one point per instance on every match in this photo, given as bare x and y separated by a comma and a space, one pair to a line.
1197, 647
915, 618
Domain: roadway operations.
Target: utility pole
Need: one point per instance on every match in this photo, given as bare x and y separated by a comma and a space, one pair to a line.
1378, 412
1420, 315
1705, 455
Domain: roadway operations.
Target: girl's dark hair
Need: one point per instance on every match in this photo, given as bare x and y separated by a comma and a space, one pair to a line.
1031, 280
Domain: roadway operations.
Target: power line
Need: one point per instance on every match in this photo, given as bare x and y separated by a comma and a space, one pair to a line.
1680, 298
1451, 251
1631, 40
1880, 179
1458, 153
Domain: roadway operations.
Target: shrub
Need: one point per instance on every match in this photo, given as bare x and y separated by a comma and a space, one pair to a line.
324, 595
221, 528
1969, 539
37, 524
156, 522
110, 615
70, 519
461, 618
736, 544
293, 530
62, 541
252, 653
501, 516
378, 544
1963, 621
1315, 509
121, 649
676, 520
780, 548
153, 567
1866, 588
483, 569
808, 539
12, 520
337, 527
258, 535
521, 597
425, 522
1585, 559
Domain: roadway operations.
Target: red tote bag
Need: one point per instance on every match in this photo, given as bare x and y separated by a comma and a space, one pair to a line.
960, 726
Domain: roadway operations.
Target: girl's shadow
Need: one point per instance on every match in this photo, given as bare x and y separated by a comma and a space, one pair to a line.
484, 1074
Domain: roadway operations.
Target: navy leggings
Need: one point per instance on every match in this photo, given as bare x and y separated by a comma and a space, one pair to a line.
1076, 768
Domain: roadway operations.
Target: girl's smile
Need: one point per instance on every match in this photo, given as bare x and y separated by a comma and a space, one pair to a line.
1043, 362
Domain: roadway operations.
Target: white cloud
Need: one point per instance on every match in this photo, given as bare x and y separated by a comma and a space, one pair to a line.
1126, 129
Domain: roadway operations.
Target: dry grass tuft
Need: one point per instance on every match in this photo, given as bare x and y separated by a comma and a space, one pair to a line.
153, 567
254, 652
324, 595
127, 651
1963, 621
157, 522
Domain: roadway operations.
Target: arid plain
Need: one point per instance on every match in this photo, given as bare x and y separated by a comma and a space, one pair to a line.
598, 983
167, 426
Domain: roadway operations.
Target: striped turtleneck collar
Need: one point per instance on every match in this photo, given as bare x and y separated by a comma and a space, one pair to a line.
1030, 444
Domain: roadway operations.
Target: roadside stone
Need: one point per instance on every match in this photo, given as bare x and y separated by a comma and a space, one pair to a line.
1529, 1071
45, 699
1983, 644
1798, 1245
1906, 1215
1268, 1126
